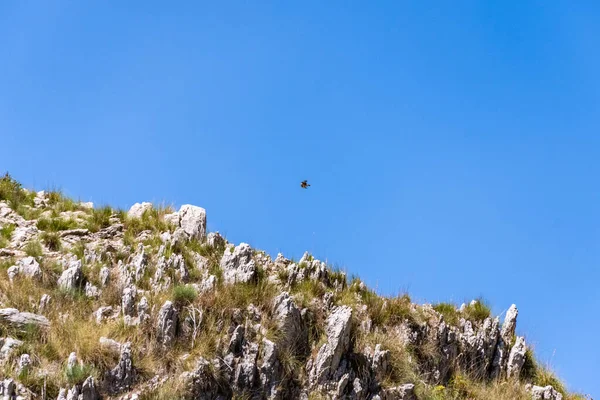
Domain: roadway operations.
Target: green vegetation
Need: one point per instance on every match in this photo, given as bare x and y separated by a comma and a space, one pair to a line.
206, 318
56, 224
184, 295
99, 219
51, 240
12, 192
6, 234
34, 249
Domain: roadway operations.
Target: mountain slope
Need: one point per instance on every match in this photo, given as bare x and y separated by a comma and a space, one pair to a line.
102, 303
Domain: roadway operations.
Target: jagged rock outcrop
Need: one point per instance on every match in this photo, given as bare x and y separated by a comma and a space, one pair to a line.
138, 209
166, 328
21, 319
238, 266
72, 277
516, 359
545, 393
121, 377
27, 267
201, 383
241, 324
338, 341
293, 333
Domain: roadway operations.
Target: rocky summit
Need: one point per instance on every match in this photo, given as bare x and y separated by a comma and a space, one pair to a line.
99, 303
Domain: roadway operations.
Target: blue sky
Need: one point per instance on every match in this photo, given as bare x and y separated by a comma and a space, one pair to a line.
452, 148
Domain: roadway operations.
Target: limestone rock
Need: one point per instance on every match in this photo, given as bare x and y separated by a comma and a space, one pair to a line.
7, 346
516, 359
27, 267
246, 370
128, 301
123, 376
138, 209
166, 329
402, 392
545, 393
214, 239
270, 372
110, 344
510, 324
192, 220
238, 266
72, 277
380, 363
44, 301
289, 321
104, 276
338, 340
200, 383
21, 319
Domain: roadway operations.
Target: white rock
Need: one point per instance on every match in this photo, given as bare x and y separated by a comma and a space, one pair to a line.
338, 342
516, 359
192, 220
239, 265
72, 277
138, 209
28, 267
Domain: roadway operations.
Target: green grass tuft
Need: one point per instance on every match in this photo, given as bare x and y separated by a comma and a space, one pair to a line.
184, 295
51, 240
12, 192
34, 249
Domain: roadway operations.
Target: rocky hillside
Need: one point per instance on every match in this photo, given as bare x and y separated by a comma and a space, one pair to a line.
97, 303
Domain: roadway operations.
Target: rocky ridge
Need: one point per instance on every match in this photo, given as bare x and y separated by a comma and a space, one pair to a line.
97, 303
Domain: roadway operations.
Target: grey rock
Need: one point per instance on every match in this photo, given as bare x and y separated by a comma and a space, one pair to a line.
73, 393
123, 376
402, 392
72, 360
172, 219
289, 321
7, 346
270, 371
138, 209
214, 239
44, 301
166, 329
238, 266
21, 319
516, 359
200, 383
88, 390
104, 276
72, 277
381, 363
192, 220
545, 393
338, 341
24, 362
510, 324
236, 342
246, 370
92, 291
128, 301
208, 284
102, 313
110, 344
8, 389
27, 267
74, 232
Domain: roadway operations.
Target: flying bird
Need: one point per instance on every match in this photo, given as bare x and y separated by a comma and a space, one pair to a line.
304, 184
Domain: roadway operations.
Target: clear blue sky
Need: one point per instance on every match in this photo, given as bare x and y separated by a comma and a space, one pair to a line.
453, 149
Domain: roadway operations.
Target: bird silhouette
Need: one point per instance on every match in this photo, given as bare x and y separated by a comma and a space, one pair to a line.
304, 184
